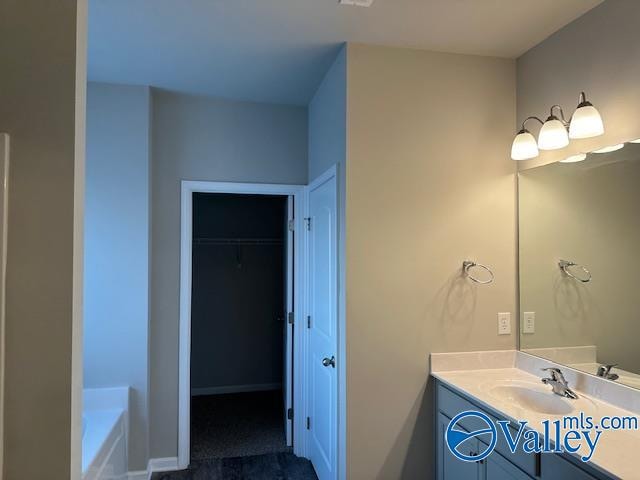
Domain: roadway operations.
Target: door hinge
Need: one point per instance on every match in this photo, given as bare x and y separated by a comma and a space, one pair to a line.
290, 318
308, 321
308, 423
290, 413
292, 225
307, 221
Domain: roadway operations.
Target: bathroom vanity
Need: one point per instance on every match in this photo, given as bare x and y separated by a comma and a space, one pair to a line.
578, 357
507, 386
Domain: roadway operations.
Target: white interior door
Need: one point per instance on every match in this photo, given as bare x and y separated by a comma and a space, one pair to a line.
287, 384
322, 376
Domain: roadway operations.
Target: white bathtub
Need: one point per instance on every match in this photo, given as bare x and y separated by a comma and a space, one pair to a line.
104, 434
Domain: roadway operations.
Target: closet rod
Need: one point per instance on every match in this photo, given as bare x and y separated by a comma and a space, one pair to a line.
237, 241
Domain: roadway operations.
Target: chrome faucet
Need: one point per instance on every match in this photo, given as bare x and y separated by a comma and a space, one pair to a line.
559, 383
604, 371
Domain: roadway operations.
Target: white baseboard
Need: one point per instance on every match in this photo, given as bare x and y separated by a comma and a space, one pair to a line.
139, 475
258, 387
168, 464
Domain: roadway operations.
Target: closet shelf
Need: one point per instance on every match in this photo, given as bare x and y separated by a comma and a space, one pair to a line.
237, 241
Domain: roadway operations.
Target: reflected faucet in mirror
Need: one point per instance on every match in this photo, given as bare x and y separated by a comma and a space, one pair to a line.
604, 371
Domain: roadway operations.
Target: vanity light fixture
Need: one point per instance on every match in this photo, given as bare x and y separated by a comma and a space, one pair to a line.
556, 131
524, 145
586, 121
610, 148
575, 158
553, 134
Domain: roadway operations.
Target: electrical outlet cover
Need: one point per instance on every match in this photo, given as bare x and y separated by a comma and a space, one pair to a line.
529, 322
504, 323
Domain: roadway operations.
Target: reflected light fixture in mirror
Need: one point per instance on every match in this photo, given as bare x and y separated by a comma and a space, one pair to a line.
575, 158
610, 148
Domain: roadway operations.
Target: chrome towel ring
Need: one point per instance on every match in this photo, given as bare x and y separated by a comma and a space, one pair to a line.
565, 265
469, 264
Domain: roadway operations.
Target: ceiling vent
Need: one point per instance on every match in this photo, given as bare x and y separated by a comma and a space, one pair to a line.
356, 3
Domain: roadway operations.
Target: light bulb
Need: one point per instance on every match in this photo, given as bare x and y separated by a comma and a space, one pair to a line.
524, 146
586, 121
574, 158
553, 135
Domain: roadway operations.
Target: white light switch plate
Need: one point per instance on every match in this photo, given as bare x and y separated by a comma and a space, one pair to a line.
529, 322
504, 323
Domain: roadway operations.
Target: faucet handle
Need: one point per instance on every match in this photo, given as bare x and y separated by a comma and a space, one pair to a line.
556, 374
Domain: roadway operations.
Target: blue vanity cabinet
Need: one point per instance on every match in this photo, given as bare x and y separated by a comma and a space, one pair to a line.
494, 467
499, 468
502, 464
557, 468
449, 466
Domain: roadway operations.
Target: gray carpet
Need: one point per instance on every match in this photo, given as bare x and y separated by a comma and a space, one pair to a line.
240, 437
237, 425
273, 466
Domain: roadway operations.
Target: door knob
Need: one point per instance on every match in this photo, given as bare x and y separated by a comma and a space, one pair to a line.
329, 362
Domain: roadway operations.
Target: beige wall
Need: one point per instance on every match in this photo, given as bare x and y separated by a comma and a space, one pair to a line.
201, 138
585, 212
429, 184
41, 105
598, 53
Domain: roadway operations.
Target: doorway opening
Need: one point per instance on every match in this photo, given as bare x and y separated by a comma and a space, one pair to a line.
239, 275
310, 404
238, 326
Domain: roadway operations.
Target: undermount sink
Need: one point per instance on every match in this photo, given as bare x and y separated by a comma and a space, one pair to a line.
532, 399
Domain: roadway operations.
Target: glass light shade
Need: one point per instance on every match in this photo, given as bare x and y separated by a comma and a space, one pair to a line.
586, 123
524, 146
610, 148
637, 140
574, 158
553, 135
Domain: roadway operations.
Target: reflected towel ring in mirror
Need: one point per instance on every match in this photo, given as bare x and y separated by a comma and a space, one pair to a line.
468, 265
565, 265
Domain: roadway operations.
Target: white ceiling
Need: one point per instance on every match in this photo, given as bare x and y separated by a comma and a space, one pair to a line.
278, 50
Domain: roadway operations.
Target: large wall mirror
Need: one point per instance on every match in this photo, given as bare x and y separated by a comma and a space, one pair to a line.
579, 229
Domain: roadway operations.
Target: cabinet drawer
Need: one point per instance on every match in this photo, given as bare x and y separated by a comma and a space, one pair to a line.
499, 468
451, 404
555, 467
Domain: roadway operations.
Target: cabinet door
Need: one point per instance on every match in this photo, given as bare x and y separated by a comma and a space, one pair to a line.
555, 467
498, 468
448, 466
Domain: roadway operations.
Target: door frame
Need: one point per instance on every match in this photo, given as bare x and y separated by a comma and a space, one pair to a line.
188, 188
338, 171
4, 219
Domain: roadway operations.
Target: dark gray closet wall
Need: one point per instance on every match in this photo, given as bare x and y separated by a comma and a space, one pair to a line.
238, 290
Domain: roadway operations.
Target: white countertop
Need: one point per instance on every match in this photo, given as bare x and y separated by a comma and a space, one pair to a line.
616, 452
